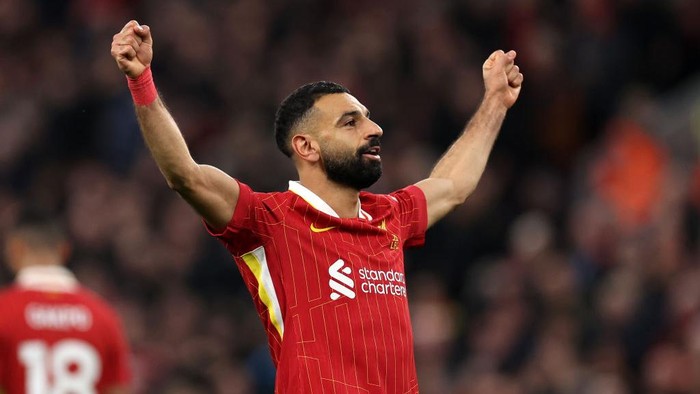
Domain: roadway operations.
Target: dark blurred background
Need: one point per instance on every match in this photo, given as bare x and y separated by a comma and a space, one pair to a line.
574, 268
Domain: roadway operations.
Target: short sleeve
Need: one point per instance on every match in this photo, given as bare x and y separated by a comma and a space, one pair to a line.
240, 233
413, 213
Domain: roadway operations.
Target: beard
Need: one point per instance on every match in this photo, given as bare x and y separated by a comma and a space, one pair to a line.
355, 171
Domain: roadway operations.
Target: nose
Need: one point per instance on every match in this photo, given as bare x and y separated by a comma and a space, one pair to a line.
374, 130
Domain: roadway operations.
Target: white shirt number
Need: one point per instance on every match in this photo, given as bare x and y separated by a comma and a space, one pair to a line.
69, 366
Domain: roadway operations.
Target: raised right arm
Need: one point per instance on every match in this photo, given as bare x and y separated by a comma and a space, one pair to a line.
210, 191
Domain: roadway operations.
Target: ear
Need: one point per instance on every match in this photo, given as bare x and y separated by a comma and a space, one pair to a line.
306, 147
65, 250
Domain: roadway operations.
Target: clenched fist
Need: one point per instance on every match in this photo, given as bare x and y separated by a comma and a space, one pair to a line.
132, 48
502, 78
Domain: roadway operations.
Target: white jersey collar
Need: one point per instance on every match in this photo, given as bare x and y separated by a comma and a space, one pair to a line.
47, 278
318, 203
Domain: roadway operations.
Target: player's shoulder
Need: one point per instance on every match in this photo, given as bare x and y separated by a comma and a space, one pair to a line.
9, 293
276, 203
9, 297
378, 198
377, 205
397, 200
89, 296
277, 196
265, 197
96, 303
6, 291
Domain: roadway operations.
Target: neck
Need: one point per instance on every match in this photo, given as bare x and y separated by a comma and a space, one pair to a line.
37, 259
343, 199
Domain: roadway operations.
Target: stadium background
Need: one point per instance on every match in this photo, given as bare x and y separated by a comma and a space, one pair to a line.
574, 268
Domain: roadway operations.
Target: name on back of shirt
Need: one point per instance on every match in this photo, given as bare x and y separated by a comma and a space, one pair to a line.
65, 317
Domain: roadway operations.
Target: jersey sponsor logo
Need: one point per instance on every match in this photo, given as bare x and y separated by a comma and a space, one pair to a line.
320, 229
340, 281
371, 281
382, 282
57, 317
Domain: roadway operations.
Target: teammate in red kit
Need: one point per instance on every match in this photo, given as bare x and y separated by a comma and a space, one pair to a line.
324, 260
55, 336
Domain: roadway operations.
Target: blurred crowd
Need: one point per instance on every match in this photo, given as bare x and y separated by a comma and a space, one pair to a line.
574, 268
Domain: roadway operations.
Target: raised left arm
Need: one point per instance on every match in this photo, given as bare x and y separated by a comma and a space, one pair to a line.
457, 173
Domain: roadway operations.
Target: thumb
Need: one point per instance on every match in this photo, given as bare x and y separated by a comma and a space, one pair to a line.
144, 31
493, 59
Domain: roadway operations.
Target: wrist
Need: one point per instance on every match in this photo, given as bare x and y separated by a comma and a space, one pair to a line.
494, 102
143, 89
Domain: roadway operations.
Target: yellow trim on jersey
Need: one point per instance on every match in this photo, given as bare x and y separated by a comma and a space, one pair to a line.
256, 260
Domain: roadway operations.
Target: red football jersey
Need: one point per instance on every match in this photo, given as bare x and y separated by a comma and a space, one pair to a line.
331, 292
56, 337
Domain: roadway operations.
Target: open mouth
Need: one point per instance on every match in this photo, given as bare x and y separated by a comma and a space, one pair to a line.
372, 153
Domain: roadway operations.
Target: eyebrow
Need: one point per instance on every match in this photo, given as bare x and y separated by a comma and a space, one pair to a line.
353, 114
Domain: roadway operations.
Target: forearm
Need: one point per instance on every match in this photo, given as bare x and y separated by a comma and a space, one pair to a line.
166, 143
464, 162
210, 191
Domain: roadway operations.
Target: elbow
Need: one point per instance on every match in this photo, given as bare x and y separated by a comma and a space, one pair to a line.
459, 199
177, 184
461, 194
182, 182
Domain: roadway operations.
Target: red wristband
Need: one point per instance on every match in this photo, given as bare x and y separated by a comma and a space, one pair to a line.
142, 88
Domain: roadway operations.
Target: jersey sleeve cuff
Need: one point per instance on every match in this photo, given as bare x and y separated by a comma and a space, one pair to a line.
421, 225
239, 212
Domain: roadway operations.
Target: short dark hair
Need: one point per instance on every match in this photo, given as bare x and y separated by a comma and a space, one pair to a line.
293, 109
40, 230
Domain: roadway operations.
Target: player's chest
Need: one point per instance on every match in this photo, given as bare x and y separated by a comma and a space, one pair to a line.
337, 263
